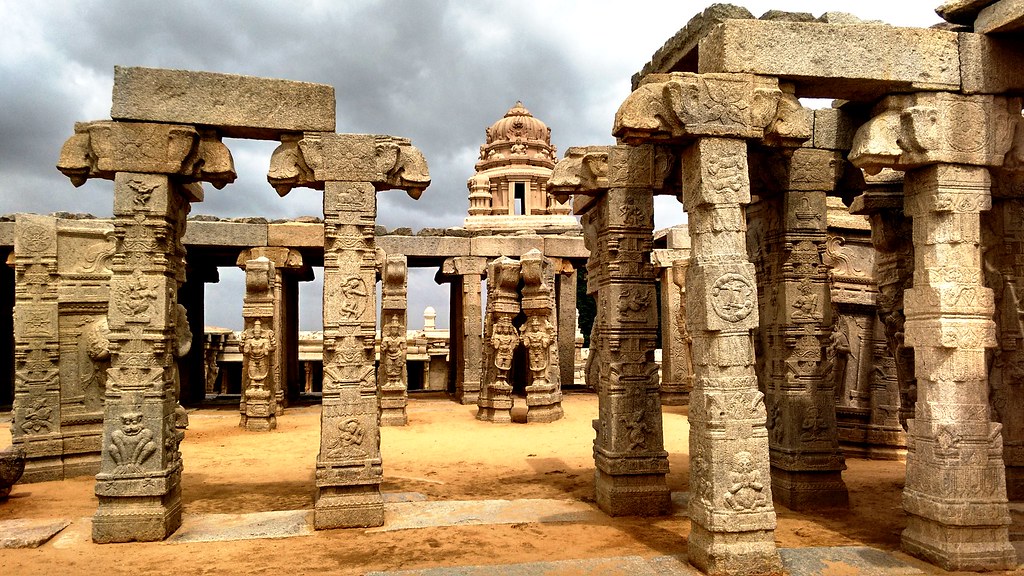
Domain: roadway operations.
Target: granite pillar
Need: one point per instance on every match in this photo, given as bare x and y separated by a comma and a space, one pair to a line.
392, 376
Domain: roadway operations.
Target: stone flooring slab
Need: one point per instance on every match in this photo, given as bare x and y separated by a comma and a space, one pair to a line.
622, 565
224, 527
846, 560
409, 515
29, 533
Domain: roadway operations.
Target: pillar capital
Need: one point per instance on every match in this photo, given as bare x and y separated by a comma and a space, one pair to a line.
388, 162
283, 258
101, 149
908, 131
680, 106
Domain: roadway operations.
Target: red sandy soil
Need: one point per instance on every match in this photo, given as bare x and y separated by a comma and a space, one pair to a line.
444, 453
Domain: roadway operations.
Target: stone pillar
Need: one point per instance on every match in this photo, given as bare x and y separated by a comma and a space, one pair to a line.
350, 168
192, 296
540, 339
258, 345
566, 278
786, 239
712, 115
676, 355
466, 342
392, 378
955, 494
154, 168
36, 417
500, 341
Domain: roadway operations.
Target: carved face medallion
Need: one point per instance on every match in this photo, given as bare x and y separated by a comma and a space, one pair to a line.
732, 297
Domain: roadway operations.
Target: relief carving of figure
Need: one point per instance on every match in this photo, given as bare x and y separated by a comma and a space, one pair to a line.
393, 346
94, 356
538, 337
805, 307
747, 490
838, 355
354, 292
256, 345
132, 444
505, 339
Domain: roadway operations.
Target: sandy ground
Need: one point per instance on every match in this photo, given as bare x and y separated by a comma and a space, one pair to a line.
445, 454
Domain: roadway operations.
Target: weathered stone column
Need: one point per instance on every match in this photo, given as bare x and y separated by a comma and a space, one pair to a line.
732, 518
392, 378
36, 415
540, 339
154, 168
258, 345
614, 188
786, 239
566, 278
501, 338
467, 344
350, 168
676, 356
955, 493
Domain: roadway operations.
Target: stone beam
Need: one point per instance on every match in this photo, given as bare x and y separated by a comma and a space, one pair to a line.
874, 60
238, 106
990, 64
1001, 17
241, 234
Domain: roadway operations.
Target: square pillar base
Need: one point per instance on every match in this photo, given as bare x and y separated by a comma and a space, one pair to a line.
632, 495
496, 415
258, 423
393, 417
544, 413
803, 490
348, 507
733, 553
967, 548
136, 518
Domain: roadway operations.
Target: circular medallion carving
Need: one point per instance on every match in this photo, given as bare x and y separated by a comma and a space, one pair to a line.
35, 238
732, 297
967, 133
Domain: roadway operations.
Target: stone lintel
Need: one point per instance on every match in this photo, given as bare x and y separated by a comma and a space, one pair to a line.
875, 59
568, 247
961, 11
464, 265
202, 233
238, 106
667, 258
1001, 17
296, 234
991, 64
425, 246
515, 246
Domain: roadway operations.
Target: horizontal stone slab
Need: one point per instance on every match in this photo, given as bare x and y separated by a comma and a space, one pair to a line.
1001, 17
29, 532
213, 233
852, 62
238, 106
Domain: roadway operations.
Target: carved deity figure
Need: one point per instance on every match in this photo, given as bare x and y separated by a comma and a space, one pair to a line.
805, 307
538, 337
838, 355
257, 345
132, 444
505, 339
354, 292
94, 356
393, 345
747, 490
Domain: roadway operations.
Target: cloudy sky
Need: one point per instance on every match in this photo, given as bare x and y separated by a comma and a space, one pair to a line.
438, 72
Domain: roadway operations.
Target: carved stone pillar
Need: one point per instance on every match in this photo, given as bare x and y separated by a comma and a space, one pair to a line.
350, 168
154, 168
955, 493
540, 339
501, 338
614, 188
258, 344
732, 518
786, 239
466, 337
392, 378
566, 278
36, 418
676, 356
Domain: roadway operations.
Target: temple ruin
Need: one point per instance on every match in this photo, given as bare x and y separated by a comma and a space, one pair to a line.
846, 285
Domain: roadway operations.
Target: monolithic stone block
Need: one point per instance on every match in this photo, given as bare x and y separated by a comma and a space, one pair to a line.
990, 64
565, 247
875, 59
201, 233
1003, 16
239, 106
424, 246
295, 234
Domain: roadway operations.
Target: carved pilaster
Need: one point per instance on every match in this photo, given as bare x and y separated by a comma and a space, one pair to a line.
955, 494
392, 378
258, 344
501, 338
676, 354
539, 337
467, 346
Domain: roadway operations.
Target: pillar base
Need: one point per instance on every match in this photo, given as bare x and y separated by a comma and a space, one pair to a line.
545, 413
674, 398
137, 518
393, 417
348, 507
632, 495
967, 548
42, 470
467, 397
496, 415
802, 490
258, 423
733, 553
